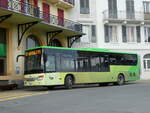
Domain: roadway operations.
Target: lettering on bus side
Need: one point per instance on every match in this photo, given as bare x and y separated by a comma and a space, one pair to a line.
34, 52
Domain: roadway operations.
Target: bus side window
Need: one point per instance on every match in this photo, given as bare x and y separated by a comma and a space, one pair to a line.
82, 64
86, 65
95, 64
50, 63
67, 63
79, 65
104, 64
112, 60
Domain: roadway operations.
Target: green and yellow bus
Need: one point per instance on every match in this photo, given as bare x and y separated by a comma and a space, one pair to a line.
54, 66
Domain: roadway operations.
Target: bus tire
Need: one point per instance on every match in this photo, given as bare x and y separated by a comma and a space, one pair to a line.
68, 82
120, 79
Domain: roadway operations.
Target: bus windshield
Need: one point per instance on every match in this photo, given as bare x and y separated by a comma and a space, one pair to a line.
34, 64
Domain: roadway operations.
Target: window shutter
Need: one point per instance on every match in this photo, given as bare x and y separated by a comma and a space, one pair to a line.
124, 34
106, 28
60, 17
112, 5
138, 32
81, 6
93, 29
130, 9
87, 6
35, 3
4, 3
46, 12
84, 6
22, 2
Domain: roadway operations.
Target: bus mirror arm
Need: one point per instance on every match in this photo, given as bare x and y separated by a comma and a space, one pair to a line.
19, 56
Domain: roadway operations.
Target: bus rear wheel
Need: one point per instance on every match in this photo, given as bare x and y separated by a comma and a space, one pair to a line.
120, 80
68, 82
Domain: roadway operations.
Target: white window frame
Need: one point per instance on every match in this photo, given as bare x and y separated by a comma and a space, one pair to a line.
147, 34
113, 33
87, 31
145, 62
131, 35
88, 38
86, 7
146, 6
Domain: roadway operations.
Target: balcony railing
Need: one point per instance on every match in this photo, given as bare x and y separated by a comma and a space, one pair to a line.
20, 7
30, 10
57, 21
123, 15
70, 1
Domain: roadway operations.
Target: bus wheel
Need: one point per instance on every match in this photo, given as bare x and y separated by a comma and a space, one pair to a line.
120, 80
68, 82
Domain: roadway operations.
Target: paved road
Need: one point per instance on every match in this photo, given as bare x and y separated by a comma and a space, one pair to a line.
130, 98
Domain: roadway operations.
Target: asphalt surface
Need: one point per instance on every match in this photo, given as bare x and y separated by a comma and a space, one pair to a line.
130, 98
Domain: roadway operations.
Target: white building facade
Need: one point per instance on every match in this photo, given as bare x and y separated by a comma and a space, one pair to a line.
120, 25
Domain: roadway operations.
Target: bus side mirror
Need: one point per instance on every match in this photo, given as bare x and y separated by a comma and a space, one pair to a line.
19, 56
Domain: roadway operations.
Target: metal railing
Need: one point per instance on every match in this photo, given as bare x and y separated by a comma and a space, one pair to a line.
62, 22
30, 10
70, 1
122, 15
20, 7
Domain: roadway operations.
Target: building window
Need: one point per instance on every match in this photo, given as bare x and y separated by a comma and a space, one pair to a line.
146, 62
31, 42
112, 6
55, 43
146, 6
60, 17
130, 9
46, 12
93, 32
131, 34
90, 31
2, 36
86, 30
111, 33
84, 7
147, 34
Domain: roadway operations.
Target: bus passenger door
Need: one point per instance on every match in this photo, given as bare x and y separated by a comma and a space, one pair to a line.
105, 69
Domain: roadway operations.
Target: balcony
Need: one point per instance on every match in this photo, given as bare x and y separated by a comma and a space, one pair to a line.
64, 3
23, 12
20, 7
122, 16
60, 22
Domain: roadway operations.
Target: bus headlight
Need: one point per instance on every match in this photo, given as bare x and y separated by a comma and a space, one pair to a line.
40, 77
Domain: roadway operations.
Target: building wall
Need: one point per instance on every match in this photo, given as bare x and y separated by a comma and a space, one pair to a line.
15, 70
86, 20
100, 7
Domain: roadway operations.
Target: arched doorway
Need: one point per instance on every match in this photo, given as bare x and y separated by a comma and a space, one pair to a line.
55, 43
31, 42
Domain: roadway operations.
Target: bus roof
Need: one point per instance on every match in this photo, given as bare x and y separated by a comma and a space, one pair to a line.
81, 49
